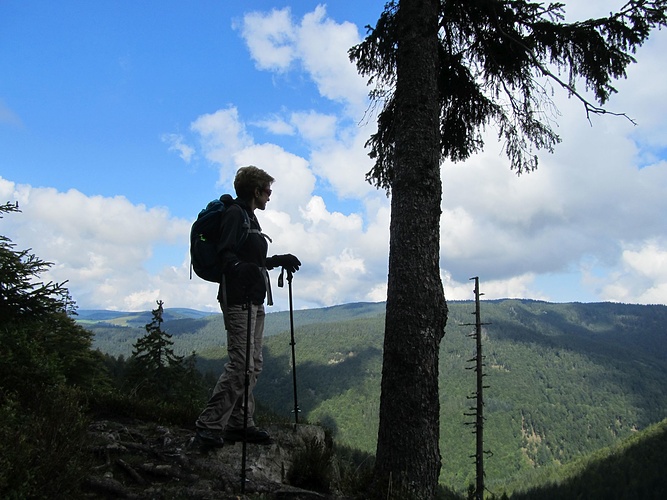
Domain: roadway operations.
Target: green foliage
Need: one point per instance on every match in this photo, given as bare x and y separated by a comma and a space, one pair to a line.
116, 332
312, 468
561, 385
48, 369
565, 380
22, 296
182, 406
498, 63
355, 469
114, 403
633, 468
154, 369
154, 383
42, 443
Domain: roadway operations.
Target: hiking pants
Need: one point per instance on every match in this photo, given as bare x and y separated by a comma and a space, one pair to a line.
225, 407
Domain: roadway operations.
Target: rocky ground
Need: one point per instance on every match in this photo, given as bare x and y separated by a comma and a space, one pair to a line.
139, 460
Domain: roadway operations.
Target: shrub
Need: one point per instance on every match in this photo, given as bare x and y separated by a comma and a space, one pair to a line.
42, 444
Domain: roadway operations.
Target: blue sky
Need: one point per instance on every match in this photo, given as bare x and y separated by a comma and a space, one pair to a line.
120, 120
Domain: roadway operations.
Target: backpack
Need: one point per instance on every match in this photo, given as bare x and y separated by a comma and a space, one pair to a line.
204, 237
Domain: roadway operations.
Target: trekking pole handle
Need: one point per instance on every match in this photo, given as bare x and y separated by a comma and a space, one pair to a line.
281, 281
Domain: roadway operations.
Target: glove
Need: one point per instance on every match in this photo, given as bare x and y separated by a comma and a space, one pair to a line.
250, 281
288, 261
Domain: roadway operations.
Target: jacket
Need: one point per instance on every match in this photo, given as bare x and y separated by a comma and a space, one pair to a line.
252, 249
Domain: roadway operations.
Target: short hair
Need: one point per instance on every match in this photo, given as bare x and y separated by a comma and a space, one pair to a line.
250, 178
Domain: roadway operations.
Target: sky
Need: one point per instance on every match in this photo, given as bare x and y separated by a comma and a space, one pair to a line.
120, 120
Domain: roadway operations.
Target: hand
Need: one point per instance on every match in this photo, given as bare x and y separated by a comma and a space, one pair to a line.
287, 261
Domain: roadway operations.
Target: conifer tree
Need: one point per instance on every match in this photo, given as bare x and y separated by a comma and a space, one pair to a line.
46, 362
36, 320
22, 295
155, 369
444, 70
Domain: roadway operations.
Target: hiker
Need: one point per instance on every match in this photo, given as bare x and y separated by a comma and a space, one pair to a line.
245, 281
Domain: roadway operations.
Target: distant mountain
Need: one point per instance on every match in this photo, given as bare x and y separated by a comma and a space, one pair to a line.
565, 380
115, 331
122, 318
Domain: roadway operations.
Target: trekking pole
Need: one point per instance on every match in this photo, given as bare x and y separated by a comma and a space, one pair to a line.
292, 343
245, 398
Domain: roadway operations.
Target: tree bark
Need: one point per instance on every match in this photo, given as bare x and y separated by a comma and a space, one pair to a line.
408, 456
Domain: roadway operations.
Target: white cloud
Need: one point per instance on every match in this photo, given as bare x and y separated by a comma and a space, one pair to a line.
650, 260
340, 258
640, 277
315, 127
332, 245
515, 287
322, 46
344, 163
276, 125
317, 42
592, 212
270, 38
103, 247
176, 143
222, 135
587, 201
114, 259
316, 214
294, 182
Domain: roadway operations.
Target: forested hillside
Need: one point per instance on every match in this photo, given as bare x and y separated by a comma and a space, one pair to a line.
565, 380
632, 469
194, 330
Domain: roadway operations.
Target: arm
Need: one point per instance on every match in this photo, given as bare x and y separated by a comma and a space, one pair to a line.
231, 234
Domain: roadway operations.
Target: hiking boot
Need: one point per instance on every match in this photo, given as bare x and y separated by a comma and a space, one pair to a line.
252, 435
208, 439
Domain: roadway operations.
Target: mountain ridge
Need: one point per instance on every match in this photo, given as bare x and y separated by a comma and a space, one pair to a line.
566, 379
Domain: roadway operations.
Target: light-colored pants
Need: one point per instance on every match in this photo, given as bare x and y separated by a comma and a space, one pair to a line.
225, 407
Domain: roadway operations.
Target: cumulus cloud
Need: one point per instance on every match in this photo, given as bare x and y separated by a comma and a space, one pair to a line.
515, 287
222, 135
317, 48
270, 38
322, 47
591, 214
275, 125
587, 201
640, 277
294, 181
102, 246
177, 143
581, 204
329, 243
344, 162
315, 127
317, 43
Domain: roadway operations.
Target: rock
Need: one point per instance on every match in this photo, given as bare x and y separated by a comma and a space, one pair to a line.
142, 460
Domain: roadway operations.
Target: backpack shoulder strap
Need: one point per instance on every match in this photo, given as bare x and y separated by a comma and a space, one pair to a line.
246, 220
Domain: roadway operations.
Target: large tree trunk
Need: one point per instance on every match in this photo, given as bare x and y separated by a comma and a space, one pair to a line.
408, 456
